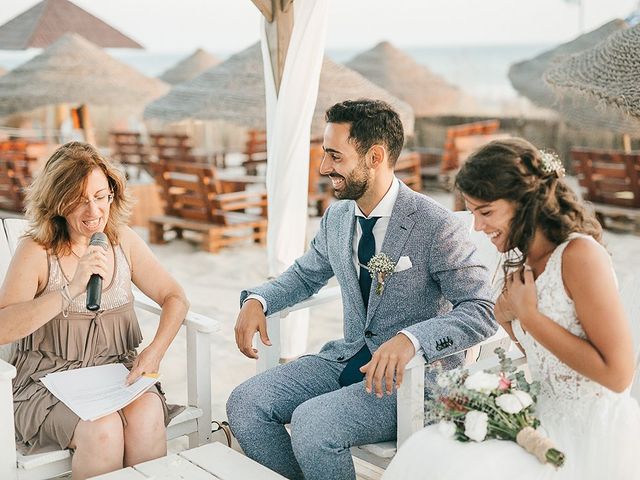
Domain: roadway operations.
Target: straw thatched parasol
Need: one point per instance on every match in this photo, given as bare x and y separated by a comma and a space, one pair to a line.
608, 73
527, 76
190, 67
395, 71
234, 91
44, 23
575, 111
73, 70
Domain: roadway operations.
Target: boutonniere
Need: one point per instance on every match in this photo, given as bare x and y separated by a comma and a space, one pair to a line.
381, 267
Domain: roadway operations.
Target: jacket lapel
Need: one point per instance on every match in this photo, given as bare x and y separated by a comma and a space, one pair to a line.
400, 225
346, 232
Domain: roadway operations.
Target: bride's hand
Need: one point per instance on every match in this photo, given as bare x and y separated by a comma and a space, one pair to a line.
502, 311
521, 294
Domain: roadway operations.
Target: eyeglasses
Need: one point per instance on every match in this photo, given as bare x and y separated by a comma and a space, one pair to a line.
100, 201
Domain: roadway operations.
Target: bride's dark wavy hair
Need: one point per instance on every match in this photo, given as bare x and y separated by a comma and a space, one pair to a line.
513, 170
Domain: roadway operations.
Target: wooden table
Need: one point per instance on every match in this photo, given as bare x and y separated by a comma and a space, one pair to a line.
208, 462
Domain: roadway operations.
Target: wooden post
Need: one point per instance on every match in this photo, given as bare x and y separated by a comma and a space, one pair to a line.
626, 143
279, 17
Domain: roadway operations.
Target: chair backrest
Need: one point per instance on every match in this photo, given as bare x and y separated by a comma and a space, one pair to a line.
450, 157
128, 148
7, 247
189, 190
256, 145
14, 229
171, 146
608, 176
15, 174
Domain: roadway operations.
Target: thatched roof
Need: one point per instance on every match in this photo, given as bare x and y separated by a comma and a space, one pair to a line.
428, 93
45, 22
609, 73
234, 91
190, 67
73, 70
527, 76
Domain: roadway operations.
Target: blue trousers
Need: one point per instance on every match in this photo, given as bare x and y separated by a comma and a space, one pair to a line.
326, 420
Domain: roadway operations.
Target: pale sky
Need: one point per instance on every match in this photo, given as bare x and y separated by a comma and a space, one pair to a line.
226, 26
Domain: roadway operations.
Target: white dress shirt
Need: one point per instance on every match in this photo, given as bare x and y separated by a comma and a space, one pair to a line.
383, 211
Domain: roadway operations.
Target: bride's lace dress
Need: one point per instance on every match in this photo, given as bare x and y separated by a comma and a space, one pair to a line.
597, 429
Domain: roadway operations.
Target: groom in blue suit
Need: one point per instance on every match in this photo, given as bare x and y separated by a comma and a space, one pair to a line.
436, 302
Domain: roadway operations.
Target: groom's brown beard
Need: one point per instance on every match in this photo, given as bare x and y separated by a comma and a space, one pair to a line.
355, 185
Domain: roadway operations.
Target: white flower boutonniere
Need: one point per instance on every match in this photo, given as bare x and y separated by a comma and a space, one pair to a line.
381, 267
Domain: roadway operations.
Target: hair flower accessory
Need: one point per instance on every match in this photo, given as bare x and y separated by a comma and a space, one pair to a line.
381, 267
550, 163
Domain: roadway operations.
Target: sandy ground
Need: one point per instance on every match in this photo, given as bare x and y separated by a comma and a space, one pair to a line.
213, 283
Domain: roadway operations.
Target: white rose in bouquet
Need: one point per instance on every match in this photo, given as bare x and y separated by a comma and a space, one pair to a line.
447, 429
509, 403
524, 397
475, 425
482, 382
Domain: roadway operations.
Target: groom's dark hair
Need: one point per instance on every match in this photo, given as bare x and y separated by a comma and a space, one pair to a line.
372, 122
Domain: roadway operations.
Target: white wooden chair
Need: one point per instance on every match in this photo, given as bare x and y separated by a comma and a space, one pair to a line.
371, 460
194, 421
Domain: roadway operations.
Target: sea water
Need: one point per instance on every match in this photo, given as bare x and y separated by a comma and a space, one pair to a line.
478, 70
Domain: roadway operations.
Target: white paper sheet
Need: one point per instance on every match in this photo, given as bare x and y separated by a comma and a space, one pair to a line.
94, 392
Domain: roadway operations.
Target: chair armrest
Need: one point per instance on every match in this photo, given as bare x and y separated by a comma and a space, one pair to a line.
410, 406
7, 435
199, 330
200, 323
7, 371
270, 356
326, 295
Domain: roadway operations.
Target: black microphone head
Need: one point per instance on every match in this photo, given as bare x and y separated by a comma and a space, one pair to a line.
99, 239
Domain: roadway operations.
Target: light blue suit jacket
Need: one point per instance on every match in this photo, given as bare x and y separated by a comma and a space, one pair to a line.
444, 299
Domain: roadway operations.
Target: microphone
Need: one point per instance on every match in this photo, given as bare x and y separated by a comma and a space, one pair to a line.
94, 287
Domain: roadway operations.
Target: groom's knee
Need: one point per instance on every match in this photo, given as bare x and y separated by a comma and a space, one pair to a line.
243, 407
310, 430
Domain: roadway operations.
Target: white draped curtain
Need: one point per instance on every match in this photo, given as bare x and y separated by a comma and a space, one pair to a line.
289, 115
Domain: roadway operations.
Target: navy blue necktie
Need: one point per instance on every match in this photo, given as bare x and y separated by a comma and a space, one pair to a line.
366, 250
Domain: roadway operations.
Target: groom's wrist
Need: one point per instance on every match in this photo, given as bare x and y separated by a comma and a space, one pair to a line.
259, 298
413, 338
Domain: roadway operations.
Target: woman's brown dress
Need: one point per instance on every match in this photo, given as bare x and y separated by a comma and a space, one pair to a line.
82, 339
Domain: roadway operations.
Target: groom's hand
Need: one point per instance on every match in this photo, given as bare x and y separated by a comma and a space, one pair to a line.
250, 320
388, 361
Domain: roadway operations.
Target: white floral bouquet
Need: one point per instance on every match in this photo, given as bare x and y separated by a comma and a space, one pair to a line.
490, 405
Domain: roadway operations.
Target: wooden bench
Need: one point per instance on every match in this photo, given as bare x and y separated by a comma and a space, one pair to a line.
320, 191
255, 151
128, 149
610, 181
450, 156
16, 174
174, 147
408, 168
191, 193
430, 161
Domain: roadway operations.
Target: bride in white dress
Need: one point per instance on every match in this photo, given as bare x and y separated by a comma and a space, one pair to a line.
562, 308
